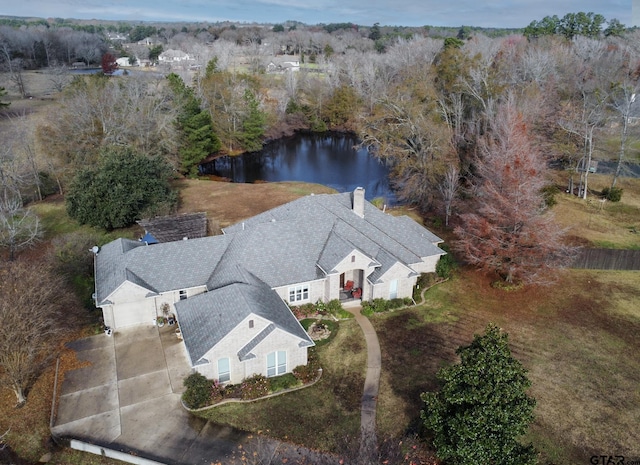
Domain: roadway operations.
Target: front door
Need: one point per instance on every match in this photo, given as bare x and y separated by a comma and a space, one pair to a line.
342, 281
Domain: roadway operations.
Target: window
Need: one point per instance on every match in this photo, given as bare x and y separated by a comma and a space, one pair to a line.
353, 258
299, 293
224, 373
183, 294
393, 289
276, 363
250, 323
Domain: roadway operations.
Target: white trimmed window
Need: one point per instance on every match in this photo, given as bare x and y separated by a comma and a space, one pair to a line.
224, 372
276, 363
299, 293
183, 294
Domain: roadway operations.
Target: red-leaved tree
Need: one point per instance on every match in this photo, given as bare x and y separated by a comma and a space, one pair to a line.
508, 228
109, 64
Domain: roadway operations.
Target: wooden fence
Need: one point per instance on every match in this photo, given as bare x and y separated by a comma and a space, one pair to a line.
607, 259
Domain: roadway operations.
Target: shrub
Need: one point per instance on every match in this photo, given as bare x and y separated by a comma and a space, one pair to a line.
307, 373
218, 392
198, 391
254, 387
334, 307
123, 187
424, 280
549, 195
612, 194
304, 311
445, 266
280, 383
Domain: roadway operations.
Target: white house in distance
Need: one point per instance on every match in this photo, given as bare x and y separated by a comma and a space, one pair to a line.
230, 292
173, 56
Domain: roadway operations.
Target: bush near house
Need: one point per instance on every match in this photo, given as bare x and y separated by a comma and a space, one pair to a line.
202, 392
383, 305
198, 391
333, 307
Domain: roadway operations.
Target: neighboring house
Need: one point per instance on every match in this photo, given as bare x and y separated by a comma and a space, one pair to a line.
148, 41
229, 291
173, 56
282, 64
117, 37
125, 62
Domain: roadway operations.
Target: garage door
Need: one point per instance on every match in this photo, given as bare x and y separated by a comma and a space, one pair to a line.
134, 313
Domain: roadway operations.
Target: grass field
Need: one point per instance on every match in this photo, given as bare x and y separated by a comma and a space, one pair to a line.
577, 338
325, 416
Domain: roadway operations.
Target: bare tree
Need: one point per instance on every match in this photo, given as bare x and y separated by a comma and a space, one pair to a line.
414, 143
35, 314
59, 76
584, 113
98, 113
19, 226
448, 190
622, 97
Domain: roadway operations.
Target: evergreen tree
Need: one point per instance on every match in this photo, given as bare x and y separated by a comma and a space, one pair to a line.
482, 409
253, 124
198, 139
124, 187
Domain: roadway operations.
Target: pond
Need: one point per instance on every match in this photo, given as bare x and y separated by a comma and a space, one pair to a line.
329, 159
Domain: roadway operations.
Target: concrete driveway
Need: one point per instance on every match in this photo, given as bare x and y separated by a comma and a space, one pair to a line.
128, 399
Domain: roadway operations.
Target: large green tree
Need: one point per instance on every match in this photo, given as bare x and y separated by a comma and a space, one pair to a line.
122, 188
253, 124
482, 409
198, 139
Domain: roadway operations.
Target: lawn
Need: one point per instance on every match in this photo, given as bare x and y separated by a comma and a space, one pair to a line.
577, 338
325, 416
602, 224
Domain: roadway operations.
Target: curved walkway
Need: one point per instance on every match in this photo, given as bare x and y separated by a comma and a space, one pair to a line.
368, 438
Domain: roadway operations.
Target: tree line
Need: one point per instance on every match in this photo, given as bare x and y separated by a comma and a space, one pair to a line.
438, 111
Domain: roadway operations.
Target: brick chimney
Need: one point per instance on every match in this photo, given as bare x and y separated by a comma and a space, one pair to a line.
358, 201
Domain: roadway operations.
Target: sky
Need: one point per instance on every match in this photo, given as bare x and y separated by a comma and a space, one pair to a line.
481, 13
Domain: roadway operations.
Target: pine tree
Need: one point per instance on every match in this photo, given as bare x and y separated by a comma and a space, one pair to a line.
253, 124
199, 140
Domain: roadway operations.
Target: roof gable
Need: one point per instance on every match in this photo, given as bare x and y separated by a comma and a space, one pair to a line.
207, 318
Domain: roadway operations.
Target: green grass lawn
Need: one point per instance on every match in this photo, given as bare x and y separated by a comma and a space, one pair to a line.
323, 416
577, 338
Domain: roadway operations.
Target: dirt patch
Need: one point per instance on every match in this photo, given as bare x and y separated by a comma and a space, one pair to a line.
228, 203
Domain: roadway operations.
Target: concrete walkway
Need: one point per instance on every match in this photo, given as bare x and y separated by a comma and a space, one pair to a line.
368, 438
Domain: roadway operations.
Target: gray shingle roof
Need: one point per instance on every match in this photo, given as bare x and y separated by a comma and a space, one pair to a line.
290, 244
207, 318
159, 267
294, 243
